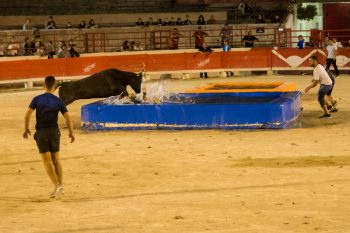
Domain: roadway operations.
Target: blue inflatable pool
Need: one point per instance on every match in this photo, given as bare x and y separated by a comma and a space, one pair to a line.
198, 111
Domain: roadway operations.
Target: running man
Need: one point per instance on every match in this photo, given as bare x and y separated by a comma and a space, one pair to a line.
321, 76
47, 135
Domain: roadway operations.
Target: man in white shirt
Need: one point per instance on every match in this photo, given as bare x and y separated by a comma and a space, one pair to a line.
321, 76
331, 56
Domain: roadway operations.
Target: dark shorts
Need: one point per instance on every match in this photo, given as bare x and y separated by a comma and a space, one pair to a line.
48, 140
324, 89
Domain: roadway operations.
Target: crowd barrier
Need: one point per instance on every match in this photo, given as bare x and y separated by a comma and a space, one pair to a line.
255, 59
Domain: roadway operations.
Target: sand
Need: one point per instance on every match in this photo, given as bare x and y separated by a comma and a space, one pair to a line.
270, 181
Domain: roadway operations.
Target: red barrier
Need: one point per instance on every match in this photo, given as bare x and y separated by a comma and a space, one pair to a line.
169, 61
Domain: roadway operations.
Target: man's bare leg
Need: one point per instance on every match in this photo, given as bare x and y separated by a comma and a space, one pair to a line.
55, 157
50, 170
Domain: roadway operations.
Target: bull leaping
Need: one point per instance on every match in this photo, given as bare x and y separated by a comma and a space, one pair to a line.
106, 83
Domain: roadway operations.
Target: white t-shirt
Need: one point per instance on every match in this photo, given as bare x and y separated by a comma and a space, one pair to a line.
321, 74
331, 51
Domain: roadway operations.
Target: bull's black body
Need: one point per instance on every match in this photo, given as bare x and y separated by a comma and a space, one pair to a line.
106, 83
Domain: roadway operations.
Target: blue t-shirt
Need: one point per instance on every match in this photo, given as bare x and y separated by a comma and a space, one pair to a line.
300, 44
47, 107
226, 48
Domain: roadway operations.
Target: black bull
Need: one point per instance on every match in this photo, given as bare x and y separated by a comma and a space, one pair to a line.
106, 83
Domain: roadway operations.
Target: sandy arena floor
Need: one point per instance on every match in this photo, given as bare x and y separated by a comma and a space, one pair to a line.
263, 181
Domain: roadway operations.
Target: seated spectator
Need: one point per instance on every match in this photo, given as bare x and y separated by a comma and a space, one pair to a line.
125, 46
13, 47
2, 49
50, 24
69, 25
249, 40
276, 19
337, 43
50, 50
187, 20
92, 24
40, 49
310, 44
211, 20
347, 45
171, 22
62, 50
301, 41
165, 22
260, 19
173, 39
137, 46
241, 7
71, 49
149, 45
149, 22
140, 22
201, 20
82, 24
179, 21
32, 46
199, 37
27, 26
159, 22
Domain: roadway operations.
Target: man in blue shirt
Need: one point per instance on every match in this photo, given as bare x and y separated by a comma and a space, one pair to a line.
301, 41
47, 135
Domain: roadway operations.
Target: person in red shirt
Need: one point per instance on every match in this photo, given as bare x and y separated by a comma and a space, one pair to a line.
199, 36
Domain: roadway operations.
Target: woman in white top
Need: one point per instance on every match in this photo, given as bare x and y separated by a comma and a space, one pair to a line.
321, 76
331, 56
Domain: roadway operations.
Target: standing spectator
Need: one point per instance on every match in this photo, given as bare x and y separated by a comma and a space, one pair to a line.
50, 49
125, 46
201, 20
348, 44
72, 51
227, 48
32, 46
204, 49
26, 46
226, 34
249, 40
199, 37
241, 7
92, 24
82, 24
332, 50
27, 26
212, 20
301, 41
276, 19
13, 47
69, 25
50, 24
260, 19
140, 22
187, 20
149, 45
2, 49
326, 42
173, 39
179, 21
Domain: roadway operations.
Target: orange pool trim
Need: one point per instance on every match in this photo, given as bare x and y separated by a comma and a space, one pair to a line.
244, 87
